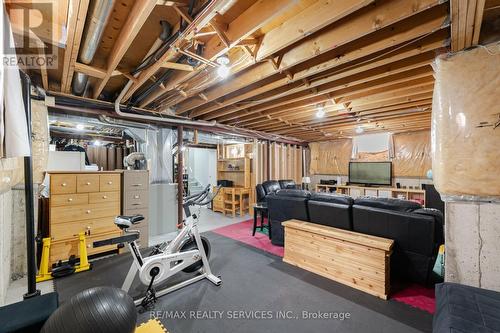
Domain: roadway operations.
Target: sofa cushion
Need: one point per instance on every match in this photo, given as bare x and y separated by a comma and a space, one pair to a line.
413, 234
438, 218
287, 183
388, 203
462, 308
286, 205
271, 186
341, 199
260, 193
294, 193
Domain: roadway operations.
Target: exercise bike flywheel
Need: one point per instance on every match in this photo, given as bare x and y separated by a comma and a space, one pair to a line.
190, 244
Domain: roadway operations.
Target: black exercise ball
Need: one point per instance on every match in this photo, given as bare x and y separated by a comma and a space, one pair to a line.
95, 310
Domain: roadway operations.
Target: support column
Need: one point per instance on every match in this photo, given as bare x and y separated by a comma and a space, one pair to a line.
472, 246
180, 172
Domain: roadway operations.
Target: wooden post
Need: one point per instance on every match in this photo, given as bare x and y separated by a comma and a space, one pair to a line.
180, 171
268, 166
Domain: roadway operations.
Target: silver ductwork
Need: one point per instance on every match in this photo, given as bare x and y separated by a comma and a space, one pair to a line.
97, 18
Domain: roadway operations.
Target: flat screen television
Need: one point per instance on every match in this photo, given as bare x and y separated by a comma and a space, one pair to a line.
370, 173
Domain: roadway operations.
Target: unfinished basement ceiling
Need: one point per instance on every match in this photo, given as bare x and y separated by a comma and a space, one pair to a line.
366, 64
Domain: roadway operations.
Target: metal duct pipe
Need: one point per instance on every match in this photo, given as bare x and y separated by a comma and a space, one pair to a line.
97, 19
125, 123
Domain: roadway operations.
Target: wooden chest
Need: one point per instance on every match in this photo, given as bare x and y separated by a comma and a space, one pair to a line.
357, 260
82, 202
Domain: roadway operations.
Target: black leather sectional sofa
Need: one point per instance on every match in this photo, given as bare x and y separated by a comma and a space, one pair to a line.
271, 186
417, 231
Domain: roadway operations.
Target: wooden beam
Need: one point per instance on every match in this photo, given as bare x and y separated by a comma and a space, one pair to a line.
358, 26
333, 11
478, 21
177, 66
429, 43
77, 13
312, 19
220, 29
43, 72
199, 22
90, 70
171, 3
135, 20
242, 27
183, 13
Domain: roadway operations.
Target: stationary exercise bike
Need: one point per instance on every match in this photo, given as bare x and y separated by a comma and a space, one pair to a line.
188, 252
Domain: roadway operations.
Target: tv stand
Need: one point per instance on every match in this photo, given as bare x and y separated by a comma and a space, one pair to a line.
383, 192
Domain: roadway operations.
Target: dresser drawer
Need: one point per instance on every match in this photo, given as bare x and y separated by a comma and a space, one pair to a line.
136, 180
109, 182
68, 199
101, 197
84, 212
64, 249
87, 183
136, 199
70, 230
62, 184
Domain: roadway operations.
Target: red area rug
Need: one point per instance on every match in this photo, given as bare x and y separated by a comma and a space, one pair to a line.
243, 232
414, 295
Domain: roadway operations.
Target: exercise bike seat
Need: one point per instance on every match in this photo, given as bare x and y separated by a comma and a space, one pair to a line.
126, 221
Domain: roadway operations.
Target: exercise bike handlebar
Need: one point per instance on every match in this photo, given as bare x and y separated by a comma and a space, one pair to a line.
199, 198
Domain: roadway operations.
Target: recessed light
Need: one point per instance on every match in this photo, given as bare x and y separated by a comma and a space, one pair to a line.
80, 127
223, 60
97, 143
359, 130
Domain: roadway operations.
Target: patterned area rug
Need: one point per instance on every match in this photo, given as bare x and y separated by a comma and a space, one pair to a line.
414, 295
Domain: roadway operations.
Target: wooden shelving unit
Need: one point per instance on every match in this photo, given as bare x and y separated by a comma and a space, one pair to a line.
386, 192
236, 170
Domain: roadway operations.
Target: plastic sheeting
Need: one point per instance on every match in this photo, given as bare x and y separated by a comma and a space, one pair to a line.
412, 154
330, 157
465, 119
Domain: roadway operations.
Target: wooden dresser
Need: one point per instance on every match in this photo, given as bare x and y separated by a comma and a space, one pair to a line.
135, 200
82, 202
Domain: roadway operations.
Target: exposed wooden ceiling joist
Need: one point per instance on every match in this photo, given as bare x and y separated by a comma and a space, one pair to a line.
354, 28
135, 20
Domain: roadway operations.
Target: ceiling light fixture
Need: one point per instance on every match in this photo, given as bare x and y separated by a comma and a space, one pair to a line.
359, 130
223, 69
80, 127
97, 143
222, 60
321, 112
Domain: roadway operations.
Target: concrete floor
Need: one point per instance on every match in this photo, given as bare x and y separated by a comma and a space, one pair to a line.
208, 220
19, 287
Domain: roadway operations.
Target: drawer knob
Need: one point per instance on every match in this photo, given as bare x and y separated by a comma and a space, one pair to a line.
137, 196
104, 196
70, 199
110, 182
88, 183
64, 184
88, 211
